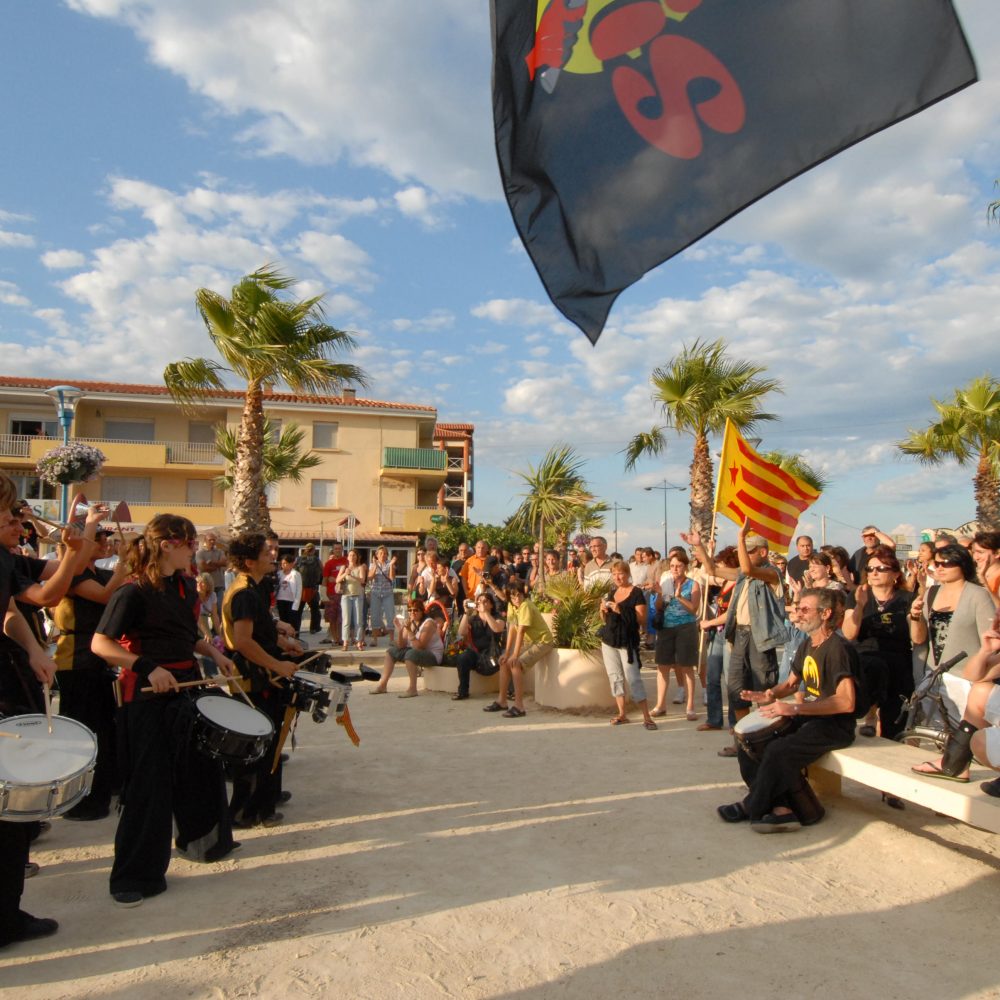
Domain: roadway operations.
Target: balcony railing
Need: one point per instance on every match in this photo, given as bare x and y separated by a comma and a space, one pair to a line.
15, 445
454, 493
430, 459
179, 453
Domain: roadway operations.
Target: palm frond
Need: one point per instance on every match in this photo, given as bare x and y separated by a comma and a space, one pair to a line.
190, 381
796, 465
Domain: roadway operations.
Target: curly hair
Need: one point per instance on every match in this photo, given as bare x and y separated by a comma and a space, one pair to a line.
143, 559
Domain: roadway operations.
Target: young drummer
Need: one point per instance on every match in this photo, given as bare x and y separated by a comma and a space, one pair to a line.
150, 627
258, 648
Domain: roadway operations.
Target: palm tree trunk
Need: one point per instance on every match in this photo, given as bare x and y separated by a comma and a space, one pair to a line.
987, 493
245, 512
702, 487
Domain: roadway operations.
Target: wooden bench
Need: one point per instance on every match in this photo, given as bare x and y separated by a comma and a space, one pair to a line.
885, 765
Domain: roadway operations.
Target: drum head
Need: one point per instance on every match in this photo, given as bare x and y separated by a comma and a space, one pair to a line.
235, 716
38, 757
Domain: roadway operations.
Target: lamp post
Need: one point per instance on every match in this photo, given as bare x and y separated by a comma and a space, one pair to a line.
65, 398
615, 506
666, 488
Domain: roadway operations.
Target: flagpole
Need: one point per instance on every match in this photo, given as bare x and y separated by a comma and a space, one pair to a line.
711, 549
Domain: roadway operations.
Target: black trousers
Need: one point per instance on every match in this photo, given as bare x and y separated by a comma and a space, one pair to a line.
255, 788
750, 669
779, 770
87, 695
166, 780
14, 840
897, 688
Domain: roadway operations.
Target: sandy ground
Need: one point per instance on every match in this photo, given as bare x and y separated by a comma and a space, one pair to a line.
458, 854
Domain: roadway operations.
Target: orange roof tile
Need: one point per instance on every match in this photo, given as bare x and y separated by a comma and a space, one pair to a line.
25, 382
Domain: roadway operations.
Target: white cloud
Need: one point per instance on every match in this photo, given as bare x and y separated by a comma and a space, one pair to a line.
336, 258
56, 260
10, 295
418, 203
516, 312
435, 321
12, 239
320, 82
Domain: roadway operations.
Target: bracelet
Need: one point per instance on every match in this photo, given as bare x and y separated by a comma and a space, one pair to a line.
916, 618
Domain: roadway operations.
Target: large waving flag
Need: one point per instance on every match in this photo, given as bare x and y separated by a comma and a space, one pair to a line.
751, 488
628, 129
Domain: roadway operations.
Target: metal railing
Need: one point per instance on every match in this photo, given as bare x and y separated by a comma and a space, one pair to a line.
454, 493
177, 452
15, 445
432, 459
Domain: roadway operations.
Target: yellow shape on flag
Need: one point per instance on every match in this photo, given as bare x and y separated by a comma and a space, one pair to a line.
750, 488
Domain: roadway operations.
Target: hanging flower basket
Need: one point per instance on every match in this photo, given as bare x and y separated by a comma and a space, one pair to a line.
70, 463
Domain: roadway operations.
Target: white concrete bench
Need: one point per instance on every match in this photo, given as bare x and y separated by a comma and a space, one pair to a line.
446, 679
885, 765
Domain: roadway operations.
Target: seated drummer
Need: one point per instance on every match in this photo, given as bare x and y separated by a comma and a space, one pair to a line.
261, 653
827, 665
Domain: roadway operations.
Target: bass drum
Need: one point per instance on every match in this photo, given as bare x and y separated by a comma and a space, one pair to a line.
43, 774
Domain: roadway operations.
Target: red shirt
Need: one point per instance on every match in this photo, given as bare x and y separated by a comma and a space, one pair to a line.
330, 570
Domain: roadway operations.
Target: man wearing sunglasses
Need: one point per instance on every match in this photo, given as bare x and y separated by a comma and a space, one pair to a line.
780, 798
871, 539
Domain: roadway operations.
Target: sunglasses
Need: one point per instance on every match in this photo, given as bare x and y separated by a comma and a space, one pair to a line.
879, 569
951, 563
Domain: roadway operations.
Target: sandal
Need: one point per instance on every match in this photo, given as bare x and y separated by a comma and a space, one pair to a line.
619, 720
692, 716
658, 713
649, 724
936, 772
514, 713
495, 707
361, 645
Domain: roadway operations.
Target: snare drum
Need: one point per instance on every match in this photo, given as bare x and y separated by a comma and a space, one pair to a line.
230, 730
43, 775
318, 694
755, 731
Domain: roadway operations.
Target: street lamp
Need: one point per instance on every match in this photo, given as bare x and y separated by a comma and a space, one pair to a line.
65, 398
615, 506
666, 487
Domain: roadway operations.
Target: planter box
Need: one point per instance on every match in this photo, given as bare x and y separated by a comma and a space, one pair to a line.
568, 679
446, 679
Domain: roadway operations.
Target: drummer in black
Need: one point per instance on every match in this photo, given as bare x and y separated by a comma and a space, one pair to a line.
150, 627
15, 923
824, 721
260, 652
86, 690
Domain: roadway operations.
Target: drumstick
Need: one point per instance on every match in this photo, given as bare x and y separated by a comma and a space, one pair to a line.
11, 736
309, 659
48, 705
234, 681
183, 684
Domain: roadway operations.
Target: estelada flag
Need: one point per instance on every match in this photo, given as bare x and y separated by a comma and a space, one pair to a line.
628, 129
749, 487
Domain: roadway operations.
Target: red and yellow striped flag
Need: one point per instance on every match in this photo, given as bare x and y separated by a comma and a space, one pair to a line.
751, 488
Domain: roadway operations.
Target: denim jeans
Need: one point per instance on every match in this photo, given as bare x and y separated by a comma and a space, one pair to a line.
351, 610
713, 677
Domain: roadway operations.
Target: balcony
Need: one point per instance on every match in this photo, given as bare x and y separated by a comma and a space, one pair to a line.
428, 466
131, 455
202, 515
411, 519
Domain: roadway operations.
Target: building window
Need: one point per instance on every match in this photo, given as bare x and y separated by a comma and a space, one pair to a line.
129, 430
324, 435
199, 491
35, 427
323, 493
200, 432
131, 489
31, 487
272, 494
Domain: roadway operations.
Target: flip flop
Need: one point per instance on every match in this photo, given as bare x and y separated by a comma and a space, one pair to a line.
657, 713
619, 720
407, 694
649, 724
495, 707
692, 716
514, 713
936, 772
376, 691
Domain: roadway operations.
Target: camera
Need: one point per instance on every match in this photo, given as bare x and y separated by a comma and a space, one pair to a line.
470, 605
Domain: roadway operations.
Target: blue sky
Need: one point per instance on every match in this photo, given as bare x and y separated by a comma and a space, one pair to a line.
155, 146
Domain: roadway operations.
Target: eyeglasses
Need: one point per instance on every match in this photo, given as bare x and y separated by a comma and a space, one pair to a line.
879, 569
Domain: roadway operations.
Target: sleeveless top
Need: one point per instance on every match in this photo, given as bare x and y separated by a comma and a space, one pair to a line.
675, 613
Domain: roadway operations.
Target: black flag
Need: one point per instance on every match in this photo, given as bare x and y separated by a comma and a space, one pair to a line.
628, 129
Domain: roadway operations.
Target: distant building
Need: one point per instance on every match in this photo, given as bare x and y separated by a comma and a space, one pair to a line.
389, 466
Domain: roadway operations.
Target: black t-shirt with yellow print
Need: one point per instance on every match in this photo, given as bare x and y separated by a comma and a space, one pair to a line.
823, 667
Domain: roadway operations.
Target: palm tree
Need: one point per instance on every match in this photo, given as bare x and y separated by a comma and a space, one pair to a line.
283, 457
262, 339
967, 430
555, 492
583, 520
993, 208
697, 392
796, 465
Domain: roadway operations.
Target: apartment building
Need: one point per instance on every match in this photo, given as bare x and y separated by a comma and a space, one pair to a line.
389, 471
